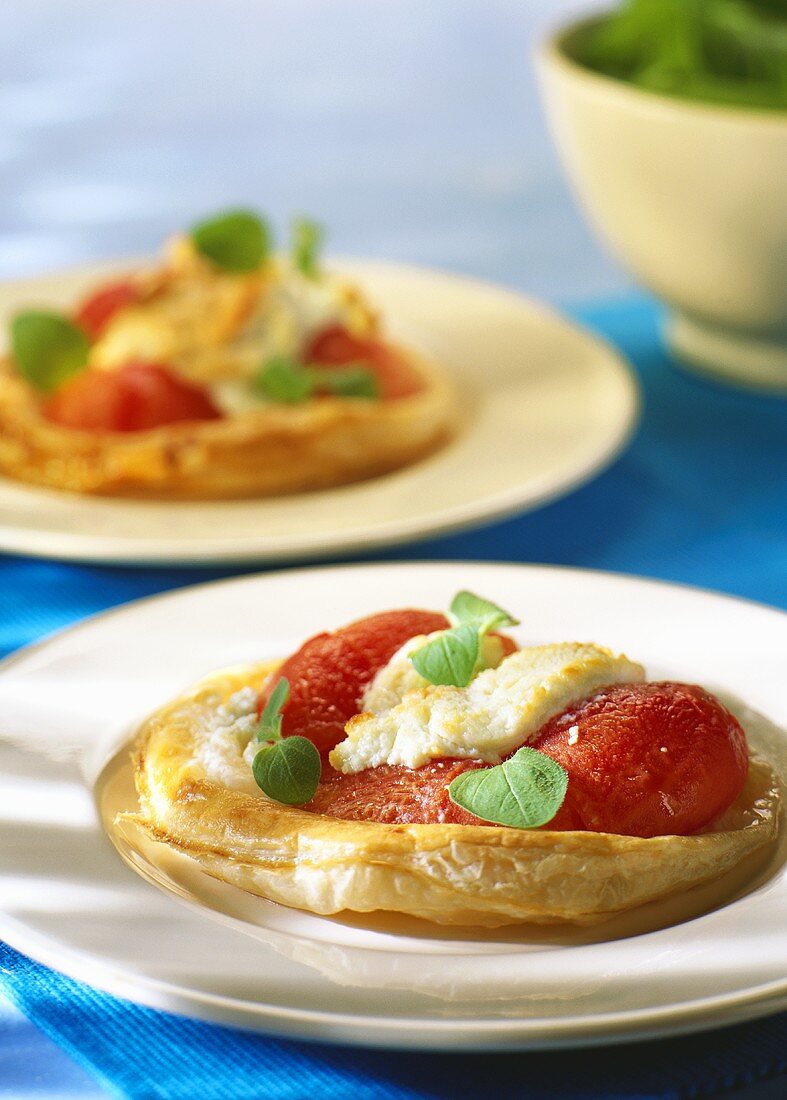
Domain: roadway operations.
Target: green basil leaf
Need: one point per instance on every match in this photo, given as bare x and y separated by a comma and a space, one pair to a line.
523, 792
450, 658
307, 239
237, 240
288, 770
348, 381
269, 728
284, 380
48, 348
454, 656
466, 607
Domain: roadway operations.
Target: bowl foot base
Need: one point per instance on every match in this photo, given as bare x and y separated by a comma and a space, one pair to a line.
728, 356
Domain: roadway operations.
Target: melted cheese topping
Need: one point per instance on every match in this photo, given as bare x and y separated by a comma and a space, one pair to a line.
218, 328
500, 710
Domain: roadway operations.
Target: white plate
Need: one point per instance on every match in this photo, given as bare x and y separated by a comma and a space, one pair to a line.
67, 899
546, 405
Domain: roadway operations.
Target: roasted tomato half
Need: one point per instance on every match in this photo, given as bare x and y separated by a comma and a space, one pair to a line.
133, 398
329, 673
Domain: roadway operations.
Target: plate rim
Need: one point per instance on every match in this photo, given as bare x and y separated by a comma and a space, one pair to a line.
431, 1034
396, 563
536, 1033
306, 547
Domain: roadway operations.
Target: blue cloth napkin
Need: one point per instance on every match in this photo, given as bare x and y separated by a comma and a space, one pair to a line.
137, 1052
699, 497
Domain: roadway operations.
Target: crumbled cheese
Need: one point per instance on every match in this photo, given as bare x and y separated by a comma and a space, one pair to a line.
670, 804
226, 750
286, 318
501, 709
234, 396
400, 677
313, 304
573, 735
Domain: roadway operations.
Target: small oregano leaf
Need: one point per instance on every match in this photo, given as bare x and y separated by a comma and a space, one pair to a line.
446, 659
524, 792
269, 728
48, 348
346, 382
307, 239
288, 770
450, 658
466, 607
284, 380
237, 240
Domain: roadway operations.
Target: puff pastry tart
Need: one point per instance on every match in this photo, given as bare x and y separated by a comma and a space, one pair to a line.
424, 764
226, 371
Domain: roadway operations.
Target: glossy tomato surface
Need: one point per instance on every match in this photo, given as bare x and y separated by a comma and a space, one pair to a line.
133, 398
647, 759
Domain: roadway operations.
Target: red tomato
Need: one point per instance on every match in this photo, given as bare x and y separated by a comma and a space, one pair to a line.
620, 780
395, 795
96, 312
134, 398
509, 645
328, 674
336, 347
647, 760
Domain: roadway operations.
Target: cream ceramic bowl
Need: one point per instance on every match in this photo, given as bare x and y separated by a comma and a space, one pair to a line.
692, 198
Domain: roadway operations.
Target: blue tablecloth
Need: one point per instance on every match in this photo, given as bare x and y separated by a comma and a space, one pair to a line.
699, 497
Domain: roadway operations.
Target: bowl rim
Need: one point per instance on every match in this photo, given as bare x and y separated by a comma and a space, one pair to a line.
551, 52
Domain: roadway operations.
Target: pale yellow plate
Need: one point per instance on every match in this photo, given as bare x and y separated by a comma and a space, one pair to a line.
546, 406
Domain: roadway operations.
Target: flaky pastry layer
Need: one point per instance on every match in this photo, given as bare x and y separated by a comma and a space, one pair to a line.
449, 874
269, 451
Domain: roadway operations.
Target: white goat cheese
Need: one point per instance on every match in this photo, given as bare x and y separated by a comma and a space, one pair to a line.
501, 709
226, 750
399, 677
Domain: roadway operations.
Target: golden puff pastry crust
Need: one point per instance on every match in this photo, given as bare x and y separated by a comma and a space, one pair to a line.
269, 451
450, 874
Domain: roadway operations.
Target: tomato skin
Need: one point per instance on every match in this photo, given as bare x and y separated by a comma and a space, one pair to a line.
619, 780
329, 673
395, 795
134, 398
95, 313
336, 347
